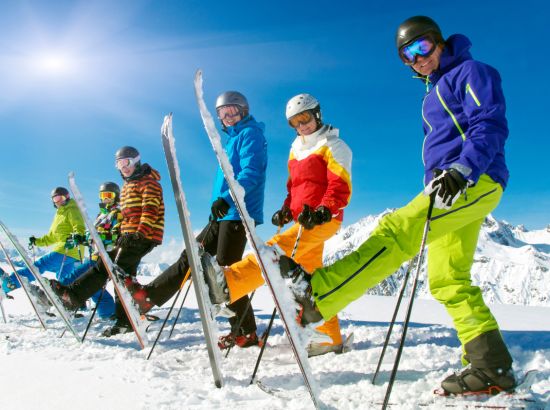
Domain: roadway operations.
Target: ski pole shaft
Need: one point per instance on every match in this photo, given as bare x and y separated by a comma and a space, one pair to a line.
390, 329
99, 298
264, 344
181, 308
168, 315
409, 308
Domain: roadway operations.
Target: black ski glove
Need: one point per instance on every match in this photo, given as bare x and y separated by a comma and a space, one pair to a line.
130, 240
74, 240
446, 187
219, 208
32, 241
282, 216
309, 219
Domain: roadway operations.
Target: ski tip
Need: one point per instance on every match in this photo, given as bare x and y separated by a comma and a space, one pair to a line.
198, 73
71, 174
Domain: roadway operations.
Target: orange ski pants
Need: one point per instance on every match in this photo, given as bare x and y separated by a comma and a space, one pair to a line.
245, 276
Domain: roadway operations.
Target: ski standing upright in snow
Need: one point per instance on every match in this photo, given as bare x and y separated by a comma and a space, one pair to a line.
31, 291
193, 253
265, 255
139, 324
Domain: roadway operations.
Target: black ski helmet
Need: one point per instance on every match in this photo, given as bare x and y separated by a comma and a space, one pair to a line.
414, 27
110, 187
60, 191
126, 152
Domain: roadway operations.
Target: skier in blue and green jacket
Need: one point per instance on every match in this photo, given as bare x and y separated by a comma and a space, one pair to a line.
465, 131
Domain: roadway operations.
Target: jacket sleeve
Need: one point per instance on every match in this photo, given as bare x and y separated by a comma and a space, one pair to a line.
484, 105
338, 192
48, 239
252, 160
151, 201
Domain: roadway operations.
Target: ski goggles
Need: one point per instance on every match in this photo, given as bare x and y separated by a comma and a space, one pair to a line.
300, 119
57, 199
423, 46
103, 195
228, 112
126, 162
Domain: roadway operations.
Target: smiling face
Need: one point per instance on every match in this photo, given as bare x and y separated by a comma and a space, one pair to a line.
427, 65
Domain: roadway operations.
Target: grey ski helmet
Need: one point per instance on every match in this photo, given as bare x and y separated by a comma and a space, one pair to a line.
110, 187
233, 98
415, 27
304, 102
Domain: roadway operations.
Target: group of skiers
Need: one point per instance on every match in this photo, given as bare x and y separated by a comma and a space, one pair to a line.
465, 129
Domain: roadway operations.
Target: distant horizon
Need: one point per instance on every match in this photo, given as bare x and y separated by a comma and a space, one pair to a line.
81, 79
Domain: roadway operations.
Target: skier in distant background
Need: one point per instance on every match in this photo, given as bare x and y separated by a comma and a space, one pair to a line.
224, 236
318, 190
61, 260
465, 128
141, 230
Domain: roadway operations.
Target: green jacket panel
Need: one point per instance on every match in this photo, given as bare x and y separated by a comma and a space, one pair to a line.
67, 220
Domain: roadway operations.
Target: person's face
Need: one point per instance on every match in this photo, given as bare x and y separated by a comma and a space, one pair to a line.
304, 123
229, 115
422, 54
427, 65
126, 166
59, 200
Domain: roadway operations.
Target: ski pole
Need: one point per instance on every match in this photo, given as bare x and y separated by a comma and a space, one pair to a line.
180, 309
170, 312
210, 222
99, 298
390, 329
248, 305
268, 330
409, 308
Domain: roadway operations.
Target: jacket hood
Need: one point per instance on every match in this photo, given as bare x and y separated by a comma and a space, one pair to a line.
246, 122
456, 51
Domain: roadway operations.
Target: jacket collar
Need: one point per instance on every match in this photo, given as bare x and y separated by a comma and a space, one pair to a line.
456, 51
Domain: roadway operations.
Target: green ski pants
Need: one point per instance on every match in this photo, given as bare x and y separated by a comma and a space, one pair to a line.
452, 241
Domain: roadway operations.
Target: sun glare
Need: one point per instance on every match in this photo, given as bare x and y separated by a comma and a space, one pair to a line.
54, 64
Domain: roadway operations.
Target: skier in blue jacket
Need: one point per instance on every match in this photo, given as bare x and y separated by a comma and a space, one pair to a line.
225, 236
465, 130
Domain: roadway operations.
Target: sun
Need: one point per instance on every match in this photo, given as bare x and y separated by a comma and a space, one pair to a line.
54, 64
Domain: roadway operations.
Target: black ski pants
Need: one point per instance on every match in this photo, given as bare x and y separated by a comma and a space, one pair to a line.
224, 239
95, 278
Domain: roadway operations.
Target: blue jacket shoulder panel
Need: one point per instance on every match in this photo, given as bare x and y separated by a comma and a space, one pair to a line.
246, 149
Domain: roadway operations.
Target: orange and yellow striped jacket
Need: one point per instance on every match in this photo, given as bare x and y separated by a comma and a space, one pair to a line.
142, 205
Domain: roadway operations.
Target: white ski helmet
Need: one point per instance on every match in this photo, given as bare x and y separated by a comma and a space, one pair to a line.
301, 103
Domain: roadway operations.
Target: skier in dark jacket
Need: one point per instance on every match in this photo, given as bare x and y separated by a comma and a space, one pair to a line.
224, 236
465, 130
141, 230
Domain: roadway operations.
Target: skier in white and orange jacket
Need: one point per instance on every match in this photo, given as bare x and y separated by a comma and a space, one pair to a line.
319, 188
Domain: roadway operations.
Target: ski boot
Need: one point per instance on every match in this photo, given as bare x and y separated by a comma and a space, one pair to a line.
120, 327
473, 380
243, 341
300, 285
139, 294
67, 296
215, 279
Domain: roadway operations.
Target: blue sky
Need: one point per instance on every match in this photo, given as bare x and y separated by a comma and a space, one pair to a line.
80, 79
